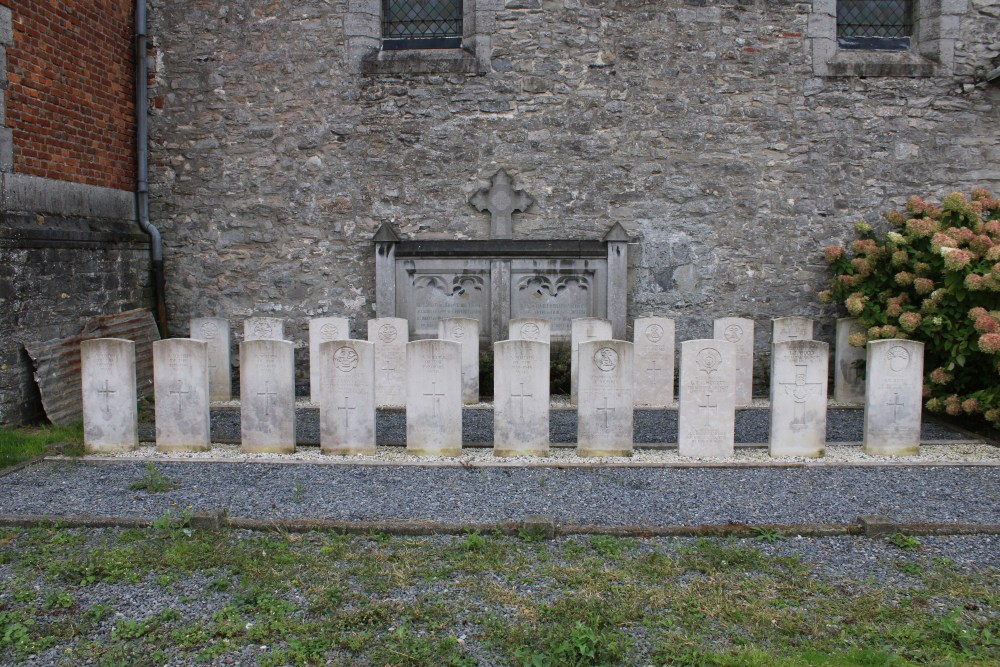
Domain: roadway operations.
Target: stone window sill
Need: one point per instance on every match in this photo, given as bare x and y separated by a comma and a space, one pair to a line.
880, 63
422, 61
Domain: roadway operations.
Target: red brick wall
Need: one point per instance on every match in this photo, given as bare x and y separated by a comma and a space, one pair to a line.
70, 99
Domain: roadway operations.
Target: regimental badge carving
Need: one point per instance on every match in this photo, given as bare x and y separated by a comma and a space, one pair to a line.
209, 330
654, 332
387, 333
898, 358
708, 360
530, 331
345, 359
606, 359
262, 329
329, 331
458, 331
733, 333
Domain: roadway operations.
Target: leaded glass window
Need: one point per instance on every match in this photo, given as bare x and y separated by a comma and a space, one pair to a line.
874, 24
421, 24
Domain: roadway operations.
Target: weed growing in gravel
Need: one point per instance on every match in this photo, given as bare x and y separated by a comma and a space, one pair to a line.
768, 535
153, 481
902, 541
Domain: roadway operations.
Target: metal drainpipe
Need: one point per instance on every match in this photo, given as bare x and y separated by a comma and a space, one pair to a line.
142, 166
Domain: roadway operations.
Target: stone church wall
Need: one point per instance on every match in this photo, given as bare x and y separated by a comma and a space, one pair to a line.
70, 248
712, 131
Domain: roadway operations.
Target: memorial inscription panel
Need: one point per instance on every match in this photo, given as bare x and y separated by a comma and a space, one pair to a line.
431, 290
558, 291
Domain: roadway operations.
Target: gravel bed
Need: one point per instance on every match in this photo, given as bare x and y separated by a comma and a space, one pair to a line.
610, 496
650, 426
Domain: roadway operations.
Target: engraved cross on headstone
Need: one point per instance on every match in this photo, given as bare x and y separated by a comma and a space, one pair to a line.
179, 393
799, 391
605, 410
522, 396
107, 391
436, 395
501, 200
267, 394
346, 407
653, 368
896, 405
707, 402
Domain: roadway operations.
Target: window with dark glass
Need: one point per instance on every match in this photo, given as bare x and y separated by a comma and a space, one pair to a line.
421, 24
874, 24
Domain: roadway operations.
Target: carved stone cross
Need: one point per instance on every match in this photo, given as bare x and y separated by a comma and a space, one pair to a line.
501, 200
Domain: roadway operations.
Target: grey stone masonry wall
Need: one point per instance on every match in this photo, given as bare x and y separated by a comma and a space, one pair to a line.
705, 128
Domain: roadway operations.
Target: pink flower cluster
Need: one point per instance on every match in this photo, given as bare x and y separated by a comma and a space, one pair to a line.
886, 331
953, 406
904, 278
855, 303
923, 285
940, 376
922, 227
895, 218
990, 343
974, 282
849, 281
909, 321
863, 266
956, 259
857, 339
832, 253
971, 406
987, 324
869, 247
900, 257
992, 415
942, 240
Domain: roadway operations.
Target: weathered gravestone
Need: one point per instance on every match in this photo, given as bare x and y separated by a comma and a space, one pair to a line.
465, 330
849, 361
604, 408
654, 362
434, 398
181, 384
110, 413
520, 398
215, 332
584, 329
798, 398
347, 397
893, 397
263, 328
267, 396
390, 335
739, 332
323, 329
791, 328
530, 328
706, 420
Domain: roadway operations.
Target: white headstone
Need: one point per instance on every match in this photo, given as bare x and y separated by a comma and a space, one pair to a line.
654, 362
322, 329
849, 364
530, 328
521, 398
583, 329
267, 396
706, 420
893, 397
390, 335
604, 407
465, 330
110, 413
434, 398
215, 332
739, 332
791, 328
798, 398
263, 328
347, 405
181, 386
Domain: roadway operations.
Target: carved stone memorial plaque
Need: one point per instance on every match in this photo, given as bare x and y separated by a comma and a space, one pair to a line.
739, 332
654, 362
893, 397
521, 398
431, 290
849, 364
706, 420
390, 335
584, 329
180, 381
267, 396
604, 409
434, 398
530, 328
798, 398
215, 332
558, 291
465, 330
791, 328
110, 413
322, 329
347, 398
263, 328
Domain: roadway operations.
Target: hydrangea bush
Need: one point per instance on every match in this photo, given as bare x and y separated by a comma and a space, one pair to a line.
935, 278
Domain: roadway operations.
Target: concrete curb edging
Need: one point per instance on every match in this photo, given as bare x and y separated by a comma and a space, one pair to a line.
533, 526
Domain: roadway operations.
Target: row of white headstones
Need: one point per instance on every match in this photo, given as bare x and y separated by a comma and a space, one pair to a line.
431, 379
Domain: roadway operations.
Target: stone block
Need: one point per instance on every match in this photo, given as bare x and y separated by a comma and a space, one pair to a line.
181, 394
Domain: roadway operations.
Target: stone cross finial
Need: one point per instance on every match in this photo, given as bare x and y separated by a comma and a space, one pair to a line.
501, 200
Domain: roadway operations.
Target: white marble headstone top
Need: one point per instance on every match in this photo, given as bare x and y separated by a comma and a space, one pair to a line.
893, 397
582, 330
347, 404
739, 332
706, 420
465, 330
654, 362
849, 363
181, 386
530, 328
434, 398
322, 329
521, 398
791, 328
110, 412
604, 407
799, 371
390, 336
215, 332
263, 328
267, 396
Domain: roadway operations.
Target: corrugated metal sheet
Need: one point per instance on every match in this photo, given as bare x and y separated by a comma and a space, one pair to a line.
57, 362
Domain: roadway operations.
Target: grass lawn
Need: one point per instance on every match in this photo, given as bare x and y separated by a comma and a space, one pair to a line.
146, 597
21, 444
